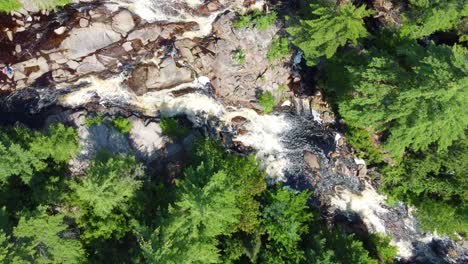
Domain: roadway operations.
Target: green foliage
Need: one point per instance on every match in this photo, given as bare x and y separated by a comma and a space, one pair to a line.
419, 99
216, 197
362, 143
258, 19
44, 238
171, 127
436, 183
386, 254
334, 26
279, 49
103, 194
429, 16
239, 57
8, 6
94, 121
268, 101
122, 124
34, 150
52, 4
285, 219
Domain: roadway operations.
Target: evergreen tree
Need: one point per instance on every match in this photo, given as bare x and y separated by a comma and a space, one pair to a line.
333, 27
419, 100
25, 153
285, 221
429, 16
206, 208
102, 196
43, 238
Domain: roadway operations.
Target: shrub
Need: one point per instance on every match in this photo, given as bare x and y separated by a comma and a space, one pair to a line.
279, 48
258, 19
122, 124
52, 4
362, 143
94, 121
268, 101
239, 57
171, 127
10, 5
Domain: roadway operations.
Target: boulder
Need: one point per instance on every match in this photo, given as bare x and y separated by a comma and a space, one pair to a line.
147, 139
123, 22
168, 76
84, 41
312, 160
90, 64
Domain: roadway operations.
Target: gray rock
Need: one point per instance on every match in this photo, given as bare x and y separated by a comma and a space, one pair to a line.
84, 41
90, 64
146, 34
123, 22
84, 22
146, 139
169, 75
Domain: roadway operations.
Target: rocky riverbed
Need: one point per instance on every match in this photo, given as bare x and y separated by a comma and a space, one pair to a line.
147, 59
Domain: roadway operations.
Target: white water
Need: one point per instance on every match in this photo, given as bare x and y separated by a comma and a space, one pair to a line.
171, 11
264, 131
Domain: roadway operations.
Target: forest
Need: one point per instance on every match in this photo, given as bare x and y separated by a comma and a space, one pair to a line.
398, 82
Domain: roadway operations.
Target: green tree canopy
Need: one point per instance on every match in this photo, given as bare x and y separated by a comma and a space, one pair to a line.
102, 195
43, 238
419, 99
334, 26
285, 220
428, 16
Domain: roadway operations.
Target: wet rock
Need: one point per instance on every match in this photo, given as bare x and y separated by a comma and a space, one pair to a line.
123, 22
84, 41
362, 170
137, 81
312, 160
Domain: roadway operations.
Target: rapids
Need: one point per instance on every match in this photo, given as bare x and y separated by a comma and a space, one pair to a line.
281, 140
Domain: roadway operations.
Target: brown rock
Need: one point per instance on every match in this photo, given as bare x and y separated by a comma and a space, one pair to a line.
312, 160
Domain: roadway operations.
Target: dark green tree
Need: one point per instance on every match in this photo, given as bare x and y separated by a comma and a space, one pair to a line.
285, 221
42, 238
102, 196
418, 100
425, 17
333, 27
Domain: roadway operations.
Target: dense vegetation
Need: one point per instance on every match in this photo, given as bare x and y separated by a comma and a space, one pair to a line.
218, 211
402, 92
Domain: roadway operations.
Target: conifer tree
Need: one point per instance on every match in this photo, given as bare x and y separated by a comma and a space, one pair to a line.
102, 195
334, 27
419, 100
425, 17
206, 208
43, 238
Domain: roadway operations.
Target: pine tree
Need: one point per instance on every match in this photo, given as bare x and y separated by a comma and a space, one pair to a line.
43, 238
206, 208
334, 27
419, 100
429, 16
103, 195
285, 221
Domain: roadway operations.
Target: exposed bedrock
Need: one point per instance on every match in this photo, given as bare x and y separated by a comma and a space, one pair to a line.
147, 59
